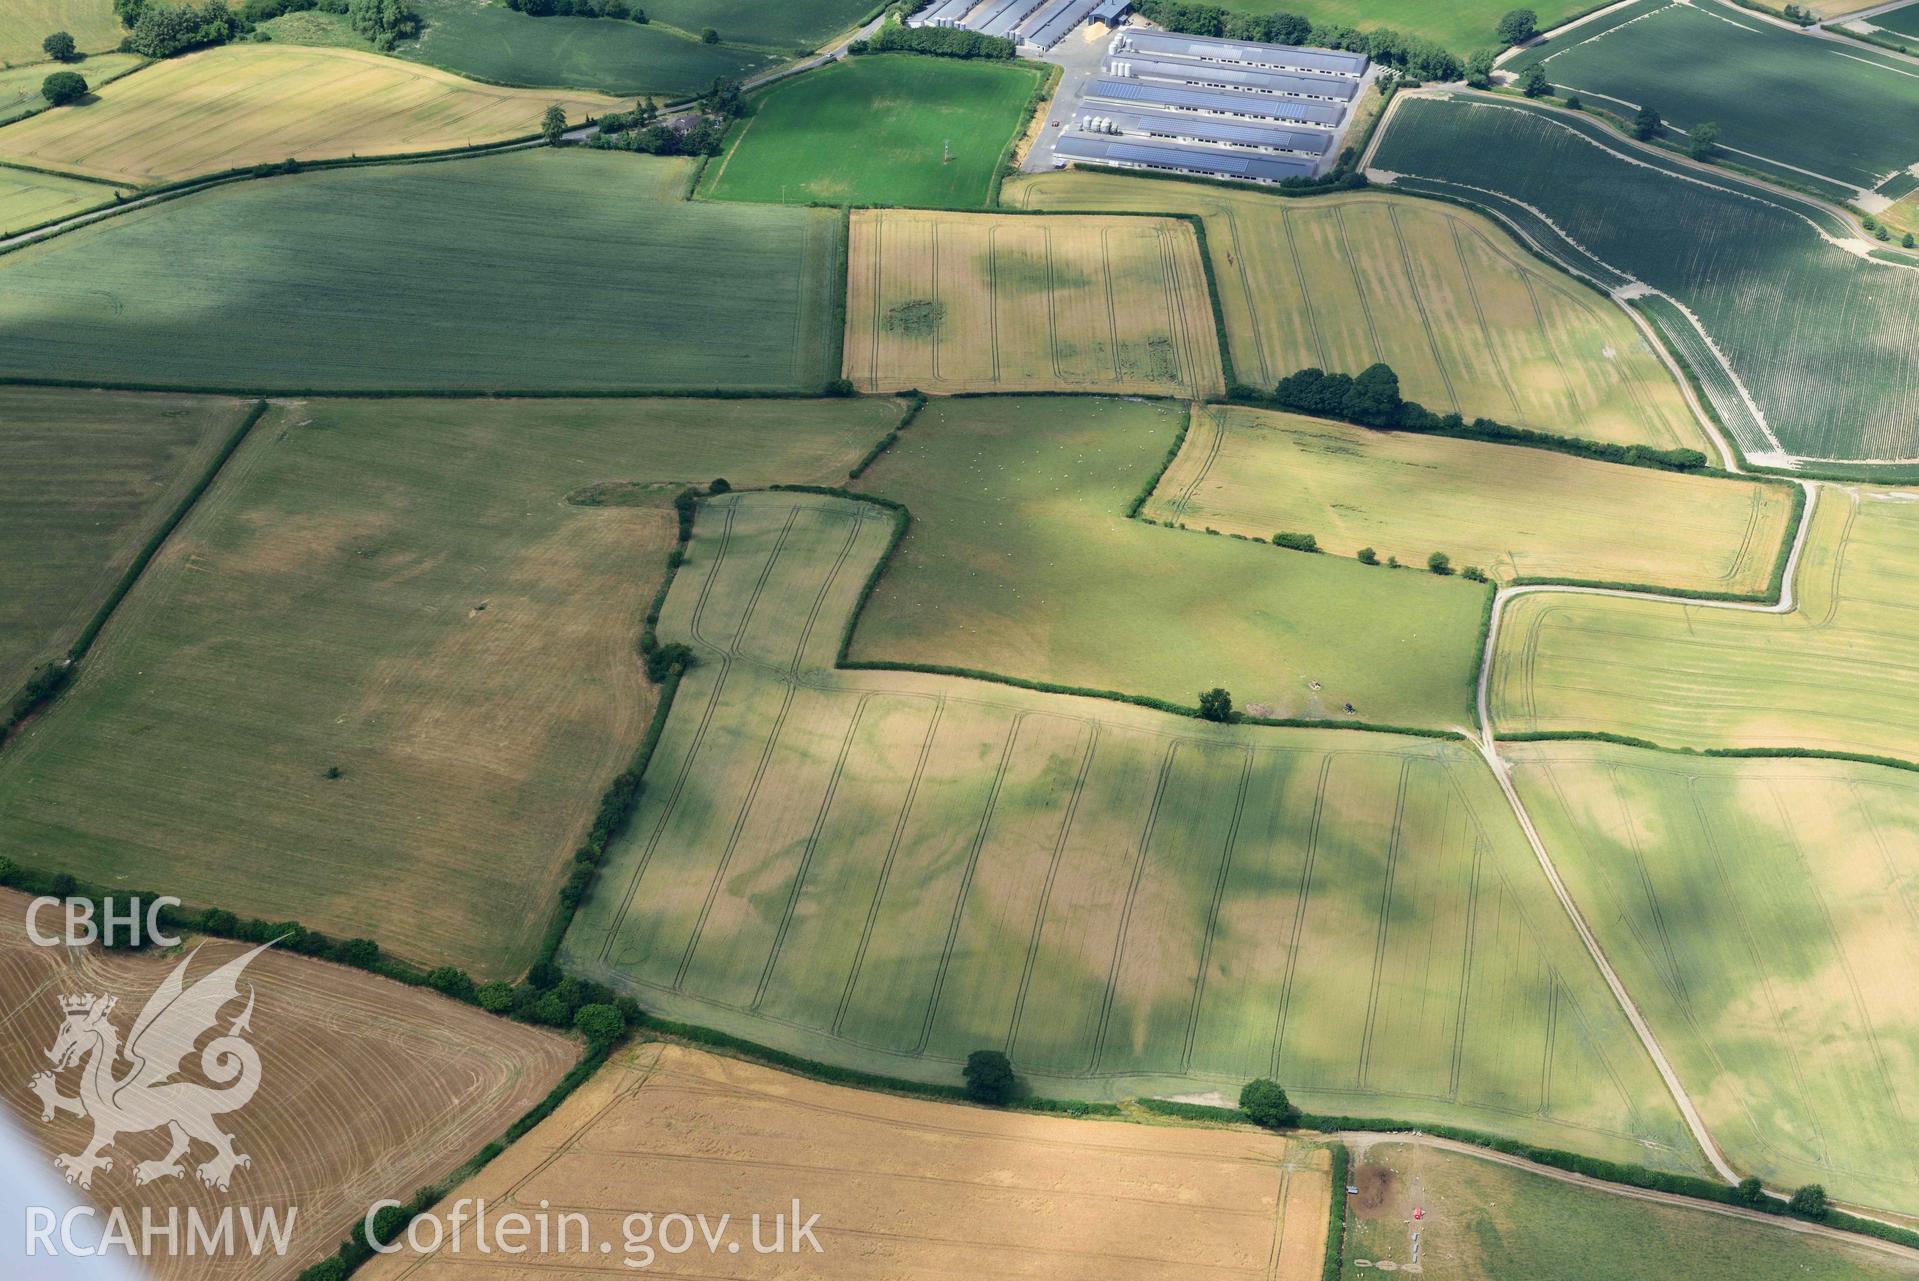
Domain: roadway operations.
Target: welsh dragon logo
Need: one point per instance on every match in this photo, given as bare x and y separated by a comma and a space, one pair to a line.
146, 1095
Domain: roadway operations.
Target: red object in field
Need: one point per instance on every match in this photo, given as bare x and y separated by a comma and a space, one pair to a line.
1418, 1213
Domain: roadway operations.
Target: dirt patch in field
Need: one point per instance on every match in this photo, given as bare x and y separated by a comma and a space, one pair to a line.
366, 1088
903, 1188
1376, 1184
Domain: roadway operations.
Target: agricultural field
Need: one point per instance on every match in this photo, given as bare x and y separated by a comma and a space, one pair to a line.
1021, 561
25, 23
487, 40
20, 86
31, 199
1836, 674
1765, 914
1699, 61
796, 25
367, 279
440, 601
888, 870
997, 302
1470, 322
1485, 1220
1459, 25
1902, 21
889, 129
366, 1086
1514, 512
85, 480
1814, 340
905, 1189
247, 104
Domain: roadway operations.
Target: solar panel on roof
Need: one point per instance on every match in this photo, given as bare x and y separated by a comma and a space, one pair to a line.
1263, 106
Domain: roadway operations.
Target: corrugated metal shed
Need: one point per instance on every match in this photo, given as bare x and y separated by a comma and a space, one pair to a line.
1032, 22
1247, 166
987, 14
1258, 106
946, 13
1062, 22
1251, 79
1220, 130
1279, 56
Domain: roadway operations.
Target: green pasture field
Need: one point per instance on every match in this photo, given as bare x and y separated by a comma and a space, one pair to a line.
1822, 340
29, 199
876, 130
85, 479
1902, 21
20, 86
888, 870
25, 23
400, 590
1459, 25
1765, 916
549, 270
1837, 674
792, 24
1470, 322
1021, 562
1486, 1221
1833, 114
488, 41
1515, 513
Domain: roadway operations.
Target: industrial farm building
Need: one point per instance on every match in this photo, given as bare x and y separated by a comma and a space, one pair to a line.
1039, 24
1218, 108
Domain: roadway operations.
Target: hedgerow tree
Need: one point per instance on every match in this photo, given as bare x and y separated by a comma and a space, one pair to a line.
1479, 68
1518, 26
1645, 124
1750, 1192
601, 1025
1809, 1202
1265, 1103
63, 87
1216, 704
989, 1077
60, 47
553, 125
1702, 139
1534, 83
1367, 556
1440, 563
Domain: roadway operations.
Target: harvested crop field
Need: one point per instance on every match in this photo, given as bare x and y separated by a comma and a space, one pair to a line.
1512, 511
402, 592
1838, 673
1021, 561
887, 870
1765, 914
1470, 322
371, 279
246, 104
368, 1089
886, 129
1484, 1220
86, 478
610, 55
25, 23
997, 302
1701, 60
1807, 347
903, 1188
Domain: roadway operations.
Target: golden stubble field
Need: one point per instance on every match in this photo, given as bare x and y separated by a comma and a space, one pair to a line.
904, 1189
248, 104
953, 302
367, 1088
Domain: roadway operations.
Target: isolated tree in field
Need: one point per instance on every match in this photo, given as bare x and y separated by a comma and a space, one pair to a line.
1809, 1202
553, 125
60, 47
63, 87
1518, 26
1702, 139
1905, 241
1645, 124
1265, 1103
989, 1077
1216, 704
1750, 1192
709, 36
1534, 83
1440, 563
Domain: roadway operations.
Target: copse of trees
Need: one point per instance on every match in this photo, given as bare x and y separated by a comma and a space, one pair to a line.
59, 89
578, 9
938, 42
383, 23
703, 135
163, 31
1417, 56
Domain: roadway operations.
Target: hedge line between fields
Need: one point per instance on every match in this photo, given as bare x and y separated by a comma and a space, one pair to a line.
1336, 1215
1723, 753
915, 401
1043, 87
428, 393
48, 681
